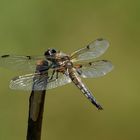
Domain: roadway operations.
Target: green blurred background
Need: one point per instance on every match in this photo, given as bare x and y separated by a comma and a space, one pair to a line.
30, 27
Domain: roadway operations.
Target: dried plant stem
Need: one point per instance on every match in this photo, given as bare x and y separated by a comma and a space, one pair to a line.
36, 108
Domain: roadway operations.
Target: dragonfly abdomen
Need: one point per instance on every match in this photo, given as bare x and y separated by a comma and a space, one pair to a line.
77, 81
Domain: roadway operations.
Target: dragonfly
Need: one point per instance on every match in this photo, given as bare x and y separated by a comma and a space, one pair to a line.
55, 68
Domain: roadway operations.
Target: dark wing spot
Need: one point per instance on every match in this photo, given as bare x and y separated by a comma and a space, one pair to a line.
90, 63
29, 57
88, 47
100, 39
3, 56
15, 78
104, 60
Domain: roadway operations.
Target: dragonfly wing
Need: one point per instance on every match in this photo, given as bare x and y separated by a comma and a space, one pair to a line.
38, 82
29, 82
22, 63
94, 69
93, 50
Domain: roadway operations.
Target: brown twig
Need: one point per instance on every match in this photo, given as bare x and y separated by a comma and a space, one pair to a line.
35, 115
36, 103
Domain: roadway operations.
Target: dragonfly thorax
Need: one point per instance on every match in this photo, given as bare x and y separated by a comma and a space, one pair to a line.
68, 64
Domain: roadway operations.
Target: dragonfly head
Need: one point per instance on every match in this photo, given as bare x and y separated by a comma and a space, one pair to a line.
50, 53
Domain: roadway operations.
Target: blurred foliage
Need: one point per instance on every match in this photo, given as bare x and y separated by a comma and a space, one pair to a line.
30, 27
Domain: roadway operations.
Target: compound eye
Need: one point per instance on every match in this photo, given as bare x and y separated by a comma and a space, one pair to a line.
53, 51
47, 53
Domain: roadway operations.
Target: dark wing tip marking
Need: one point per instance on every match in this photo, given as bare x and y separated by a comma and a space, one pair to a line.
7, 55
88, 47
90, 63
105, 60
100, 39
29, 57
15, 78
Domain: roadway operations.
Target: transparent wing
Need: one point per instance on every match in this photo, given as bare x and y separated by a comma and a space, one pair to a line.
94, 69
93, 50
62, 80
22, 63
38, 82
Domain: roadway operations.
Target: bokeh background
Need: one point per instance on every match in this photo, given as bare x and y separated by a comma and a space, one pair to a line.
29, 27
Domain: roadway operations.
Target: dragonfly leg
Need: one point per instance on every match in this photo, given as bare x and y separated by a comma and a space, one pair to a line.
79, 71
57, 74
52, 75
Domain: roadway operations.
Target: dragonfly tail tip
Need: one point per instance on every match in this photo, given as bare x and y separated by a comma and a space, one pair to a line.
100, 108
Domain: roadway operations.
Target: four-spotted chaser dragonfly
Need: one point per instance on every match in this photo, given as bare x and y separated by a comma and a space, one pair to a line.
55, 68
